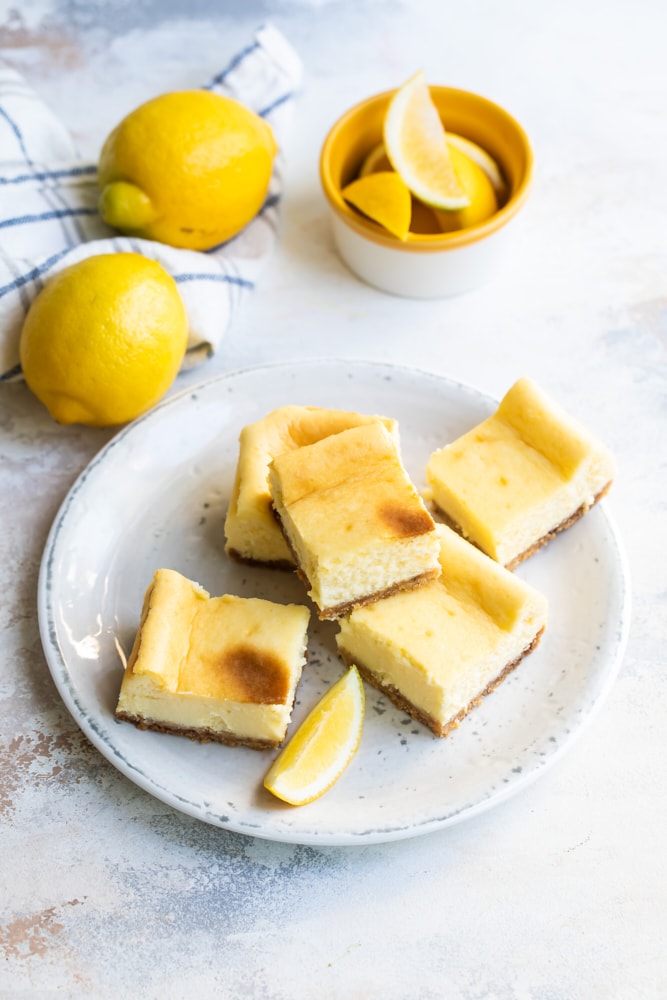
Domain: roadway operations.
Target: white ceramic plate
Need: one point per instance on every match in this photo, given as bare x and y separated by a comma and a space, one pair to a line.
156, 496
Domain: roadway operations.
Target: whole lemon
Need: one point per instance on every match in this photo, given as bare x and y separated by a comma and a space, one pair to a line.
189, 168
104, 339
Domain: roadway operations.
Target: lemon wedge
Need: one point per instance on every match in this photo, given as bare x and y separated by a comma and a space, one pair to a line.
416, 145
384, 198
422, 218
476, 184
323, 745
375, 161
481, 158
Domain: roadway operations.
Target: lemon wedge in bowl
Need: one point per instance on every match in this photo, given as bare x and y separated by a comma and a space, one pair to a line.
481, 194
384, 198
477, 172
323, 745
416, 144
483, 160
375, 161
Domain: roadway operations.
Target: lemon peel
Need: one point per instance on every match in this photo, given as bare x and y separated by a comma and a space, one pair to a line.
415, 141
323, 745
104, 339
383, 197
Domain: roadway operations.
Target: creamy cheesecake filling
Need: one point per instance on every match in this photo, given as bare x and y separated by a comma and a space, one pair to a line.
144, 702
441, 646
222, 668
517, 476
439, 685
334, 583
254, 537
251, 532
354, 522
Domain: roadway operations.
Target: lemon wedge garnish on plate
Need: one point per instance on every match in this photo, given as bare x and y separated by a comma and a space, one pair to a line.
384, 198
323, 745
416, 144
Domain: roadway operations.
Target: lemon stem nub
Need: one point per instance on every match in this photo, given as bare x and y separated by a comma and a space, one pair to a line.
125, 206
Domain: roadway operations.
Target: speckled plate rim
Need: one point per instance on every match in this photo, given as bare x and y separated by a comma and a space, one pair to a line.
301, 827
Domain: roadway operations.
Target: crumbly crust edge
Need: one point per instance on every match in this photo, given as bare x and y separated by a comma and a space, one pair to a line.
440, 729
339, 610
203, 735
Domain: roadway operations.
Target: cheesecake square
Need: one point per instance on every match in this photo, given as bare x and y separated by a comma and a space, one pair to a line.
526, 473
252, 534
355, 523
213, 668
436, 652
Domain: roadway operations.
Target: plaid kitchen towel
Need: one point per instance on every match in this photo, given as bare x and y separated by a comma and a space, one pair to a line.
49, 217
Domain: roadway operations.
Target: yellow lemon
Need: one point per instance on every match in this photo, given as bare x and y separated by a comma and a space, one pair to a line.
416, 145
383, 197
482, 159
422, 219
104, 339
479, 189
323, 745
189, 168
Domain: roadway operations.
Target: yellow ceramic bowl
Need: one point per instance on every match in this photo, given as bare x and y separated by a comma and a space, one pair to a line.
425, 266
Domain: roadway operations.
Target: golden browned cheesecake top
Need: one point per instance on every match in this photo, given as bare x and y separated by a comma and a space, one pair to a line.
250, 529
239, 649
349, 489
519, 474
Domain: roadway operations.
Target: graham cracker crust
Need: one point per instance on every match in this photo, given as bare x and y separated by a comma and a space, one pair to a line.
440, 729
541, 542
203, 735
339, 610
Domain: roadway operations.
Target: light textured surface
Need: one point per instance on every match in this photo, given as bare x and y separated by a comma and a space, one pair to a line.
559, 893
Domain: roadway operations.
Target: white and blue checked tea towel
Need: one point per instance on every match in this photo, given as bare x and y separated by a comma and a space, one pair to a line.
49, 217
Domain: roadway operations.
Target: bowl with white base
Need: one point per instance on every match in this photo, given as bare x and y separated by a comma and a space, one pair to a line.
426, 264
